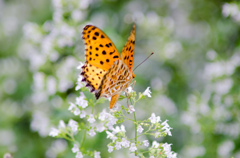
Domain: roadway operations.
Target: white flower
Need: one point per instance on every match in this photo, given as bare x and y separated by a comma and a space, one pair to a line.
97, 154
129, 89
139, 129
147, 92
173, 155
117, 129
133, 147
54, 132
73, 124
131, 109
146, 143
80, 101
151, 157
167, 149
154, 119
75, 148
61, 125
76, 111
80, 65
111, 121
79, 83
92, 132
83, 114
91, 118
118, 145
72, 106
79, 155
155, 144
102, 116
110, 149
167, 128
125, 143
100, 127
111, 136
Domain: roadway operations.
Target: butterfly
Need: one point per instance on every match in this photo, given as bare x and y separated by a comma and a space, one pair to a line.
105, 72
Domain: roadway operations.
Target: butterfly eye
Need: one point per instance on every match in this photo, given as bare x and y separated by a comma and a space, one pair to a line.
133, 75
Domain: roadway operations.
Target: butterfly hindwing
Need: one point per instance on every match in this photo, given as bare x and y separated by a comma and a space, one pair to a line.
100, 55
116, 79
92, 75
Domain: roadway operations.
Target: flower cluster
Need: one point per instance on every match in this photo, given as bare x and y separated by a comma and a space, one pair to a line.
113, 124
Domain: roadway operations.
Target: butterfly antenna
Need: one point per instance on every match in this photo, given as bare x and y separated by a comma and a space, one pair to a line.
143, 61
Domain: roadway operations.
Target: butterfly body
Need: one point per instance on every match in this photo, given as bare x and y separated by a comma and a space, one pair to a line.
106, 73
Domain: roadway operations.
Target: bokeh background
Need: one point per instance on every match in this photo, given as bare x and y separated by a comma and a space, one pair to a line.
194, 74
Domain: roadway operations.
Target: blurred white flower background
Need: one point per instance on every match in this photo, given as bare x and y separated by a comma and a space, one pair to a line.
191, 82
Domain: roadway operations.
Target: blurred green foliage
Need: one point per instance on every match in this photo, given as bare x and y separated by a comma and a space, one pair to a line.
194, 74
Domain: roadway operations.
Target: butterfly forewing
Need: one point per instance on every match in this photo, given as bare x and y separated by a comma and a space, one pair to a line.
127, 54
100, 51
100, 55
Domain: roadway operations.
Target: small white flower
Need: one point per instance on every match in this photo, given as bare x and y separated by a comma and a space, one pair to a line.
111, 121
97, 154
79, 155
80, 65
83, 114
118, 145
146, 143
155, 144
76, 111
80, 101
102, 116
91, 118
131, 109
154, 119
147, 92
110, 149
61, 125
75, 148
151, 157
79, 83
167, 149
111, 136
173, 155
129, 89
139, 129
117, 129
125, 143
72, 106
73, 124
167, 128
92, 132
100, 127
54, 132
133, 147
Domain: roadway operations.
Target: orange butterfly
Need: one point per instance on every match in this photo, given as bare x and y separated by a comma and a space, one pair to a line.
106, 73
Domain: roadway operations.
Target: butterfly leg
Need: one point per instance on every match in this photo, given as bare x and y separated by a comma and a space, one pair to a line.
133, 84
126, 93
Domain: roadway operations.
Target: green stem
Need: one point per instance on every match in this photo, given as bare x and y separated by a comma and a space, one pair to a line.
135, 122
84, 137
